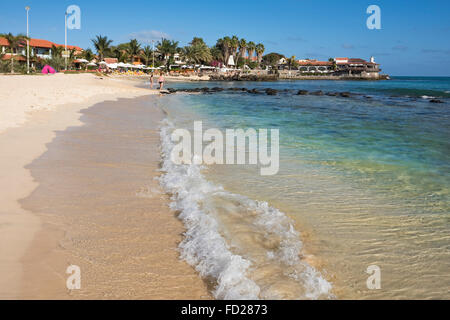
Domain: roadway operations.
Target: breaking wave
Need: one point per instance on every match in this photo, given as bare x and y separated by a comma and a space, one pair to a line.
244, 248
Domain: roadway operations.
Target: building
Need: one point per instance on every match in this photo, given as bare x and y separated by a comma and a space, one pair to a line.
315, 66
353, 66
38, 48
340, 66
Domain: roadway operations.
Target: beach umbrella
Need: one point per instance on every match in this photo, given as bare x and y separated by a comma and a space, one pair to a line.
92, 64
121, 65
231, 61
82, 61
103, 63
112, 65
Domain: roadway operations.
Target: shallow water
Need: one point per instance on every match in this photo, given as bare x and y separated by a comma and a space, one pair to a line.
363, 181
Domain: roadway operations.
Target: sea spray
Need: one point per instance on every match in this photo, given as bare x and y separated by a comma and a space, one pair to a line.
206, 249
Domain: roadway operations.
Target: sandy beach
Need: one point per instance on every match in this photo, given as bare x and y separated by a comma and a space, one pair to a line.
61, 174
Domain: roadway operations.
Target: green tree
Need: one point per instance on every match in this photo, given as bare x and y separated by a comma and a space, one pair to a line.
224, 45
15, 43
88, 55
260, 51
234, 44
242, 48
147, 54
251, 47
167, 49
103, 46
271, 59
197, 52
133, 49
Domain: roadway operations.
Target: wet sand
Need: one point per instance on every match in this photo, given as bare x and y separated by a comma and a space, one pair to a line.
102, 209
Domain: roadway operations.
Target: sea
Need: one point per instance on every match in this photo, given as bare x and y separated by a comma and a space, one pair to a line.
360, 206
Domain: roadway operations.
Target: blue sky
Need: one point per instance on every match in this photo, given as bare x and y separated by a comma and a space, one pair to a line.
414, 39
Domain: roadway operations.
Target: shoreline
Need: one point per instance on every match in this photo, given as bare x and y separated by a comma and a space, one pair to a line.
32, 121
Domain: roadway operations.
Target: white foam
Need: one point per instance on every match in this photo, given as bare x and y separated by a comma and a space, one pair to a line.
206, 249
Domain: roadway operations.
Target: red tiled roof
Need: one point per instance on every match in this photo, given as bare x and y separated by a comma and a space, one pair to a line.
111, 60
315, 63
16, 57
41, 44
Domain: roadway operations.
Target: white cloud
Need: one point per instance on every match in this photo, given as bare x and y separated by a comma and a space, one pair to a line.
146, 36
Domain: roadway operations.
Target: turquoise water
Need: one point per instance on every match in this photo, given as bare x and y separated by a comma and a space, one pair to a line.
366, 179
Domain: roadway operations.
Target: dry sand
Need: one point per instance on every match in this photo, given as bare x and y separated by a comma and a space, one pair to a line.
111, 239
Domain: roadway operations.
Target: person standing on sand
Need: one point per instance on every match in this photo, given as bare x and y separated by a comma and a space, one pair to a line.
161, 81
151, 81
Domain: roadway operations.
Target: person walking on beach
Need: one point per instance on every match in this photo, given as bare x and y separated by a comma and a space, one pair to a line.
151, 81
161, 81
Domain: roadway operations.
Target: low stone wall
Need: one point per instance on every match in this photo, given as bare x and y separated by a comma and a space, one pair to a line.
295, 75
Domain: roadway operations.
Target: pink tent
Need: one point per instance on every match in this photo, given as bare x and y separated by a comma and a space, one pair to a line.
47, 69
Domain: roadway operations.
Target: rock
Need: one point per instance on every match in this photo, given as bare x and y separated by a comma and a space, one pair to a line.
271, 92
302, 92
317, 93
216, 89
345, 94
332, 94
436, 101
171, 90
253, 91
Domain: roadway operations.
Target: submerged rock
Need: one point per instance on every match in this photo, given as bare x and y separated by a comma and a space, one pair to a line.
302, 92
317, 93
345, 94
271, 92
253, 91
436, 101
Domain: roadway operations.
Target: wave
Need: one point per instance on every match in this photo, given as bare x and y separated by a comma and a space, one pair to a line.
412, 92
248, 259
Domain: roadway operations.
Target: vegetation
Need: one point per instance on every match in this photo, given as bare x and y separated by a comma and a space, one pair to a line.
246, 54
133, 49
197, 52
15, 43
102, 46
271, 59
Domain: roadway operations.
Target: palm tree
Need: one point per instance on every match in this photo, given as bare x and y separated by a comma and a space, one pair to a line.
197, 52
223, 45
147, 54
167, 49
251, 47
88, 55
133, 50
234, 47
15, 42
260, 51
102, 45
242, 48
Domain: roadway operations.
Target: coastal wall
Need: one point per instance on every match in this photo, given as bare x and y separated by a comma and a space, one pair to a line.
295, 75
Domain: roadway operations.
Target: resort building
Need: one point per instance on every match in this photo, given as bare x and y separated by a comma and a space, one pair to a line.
38, 48
339, 66
312, 66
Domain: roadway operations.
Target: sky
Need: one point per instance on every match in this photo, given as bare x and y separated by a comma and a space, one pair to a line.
413, 39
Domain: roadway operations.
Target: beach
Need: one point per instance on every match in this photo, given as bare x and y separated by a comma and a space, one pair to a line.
39, 235
362, 182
